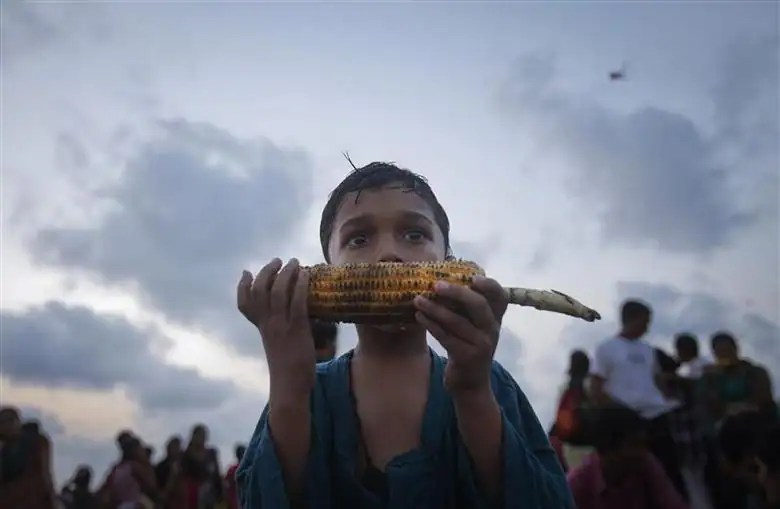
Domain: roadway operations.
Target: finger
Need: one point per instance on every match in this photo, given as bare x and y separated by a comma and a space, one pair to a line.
494, 293
453, 345
475, 304
280, 292
263, 282
299, 304
449, 321
243, 290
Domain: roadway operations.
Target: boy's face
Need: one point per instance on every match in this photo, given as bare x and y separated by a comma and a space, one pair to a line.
385, 225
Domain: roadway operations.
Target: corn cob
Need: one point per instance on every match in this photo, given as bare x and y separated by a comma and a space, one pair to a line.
384, 292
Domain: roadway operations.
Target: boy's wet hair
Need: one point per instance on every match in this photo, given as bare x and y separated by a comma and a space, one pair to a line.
374, 176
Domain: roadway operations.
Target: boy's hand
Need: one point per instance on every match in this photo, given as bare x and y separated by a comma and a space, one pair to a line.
470, 338
276, 303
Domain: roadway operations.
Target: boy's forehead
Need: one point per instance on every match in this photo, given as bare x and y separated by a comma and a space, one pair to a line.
388, 200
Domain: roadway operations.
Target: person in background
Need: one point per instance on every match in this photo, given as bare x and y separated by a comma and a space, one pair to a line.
105, 492
76, 493
200, 468
692, 365
168, 475
621, 473
688, 421
740, 438
571, 427
626, 372
25, 464
325, 336
132, 484
736, 384
231, 491
769, 465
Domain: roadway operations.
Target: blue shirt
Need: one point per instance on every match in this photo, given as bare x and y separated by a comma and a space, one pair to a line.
437, 475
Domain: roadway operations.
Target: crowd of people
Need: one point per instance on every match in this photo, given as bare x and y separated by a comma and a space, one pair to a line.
639, 427
188, 477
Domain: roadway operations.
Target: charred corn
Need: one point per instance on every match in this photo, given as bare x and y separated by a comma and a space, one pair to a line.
384, 292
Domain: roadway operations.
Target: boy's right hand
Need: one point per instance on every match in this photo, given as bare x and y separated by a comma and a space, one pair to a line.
276, 303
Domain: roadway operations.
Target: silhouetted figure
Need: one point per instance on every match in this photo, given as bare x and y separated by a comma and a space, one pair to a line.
622, 473
325, 335
25, 464
625, 372
76, 493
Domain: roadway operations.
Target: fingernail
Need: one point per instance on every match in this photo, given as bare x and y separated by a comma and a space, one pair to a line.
441, 285
419, 299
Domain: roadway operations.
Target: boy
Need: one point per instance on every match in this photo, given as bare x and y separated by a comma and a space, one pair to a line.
391, 424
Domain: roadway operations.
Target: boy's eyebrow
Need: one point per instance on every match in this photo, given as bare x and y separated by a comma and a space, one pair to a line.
366, 218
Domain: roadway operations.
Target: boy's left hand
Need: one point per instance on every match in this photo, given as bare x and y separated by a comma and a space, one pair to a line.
470, 337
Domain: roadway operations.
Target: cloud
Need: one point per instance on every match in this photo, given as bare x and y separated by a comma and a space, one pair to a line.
24, 29
652, 177
193, 207
27, 28
746, 99
676, 311
58, 345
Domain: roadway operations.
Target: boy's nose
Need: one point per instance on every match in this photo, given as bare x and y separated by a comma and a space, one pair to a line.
390, 256
388, 252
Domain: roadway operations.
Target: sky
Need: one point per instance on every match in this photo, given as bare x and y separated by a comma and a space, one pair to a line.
152, 151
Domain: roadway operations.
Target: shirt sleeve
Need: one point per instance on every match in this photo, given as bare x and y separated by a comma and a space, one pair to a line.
259, 480
532, 474
601, 361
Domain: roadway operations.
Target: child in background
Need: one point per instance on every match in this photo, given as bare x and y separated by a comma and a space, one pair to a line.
391, 424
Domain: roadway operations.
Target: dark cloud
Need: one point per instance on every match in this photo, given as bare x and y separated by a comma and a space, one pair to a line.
193, 207
746, 98
27, 29
652, 176
676, 311
24, 29
58, 345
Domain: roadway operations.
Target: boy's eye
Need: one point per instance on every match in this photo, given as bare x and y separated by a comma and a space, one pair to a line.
357, 240
415, 235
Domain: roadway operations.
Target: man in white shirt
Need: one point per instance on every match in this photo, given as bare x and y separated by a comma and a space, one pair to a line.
625, 373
